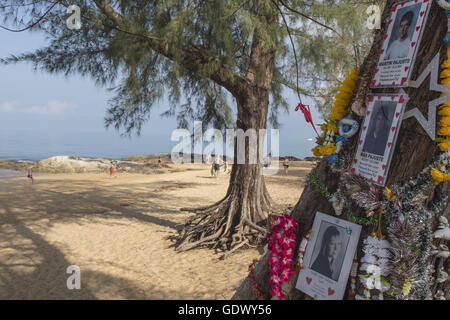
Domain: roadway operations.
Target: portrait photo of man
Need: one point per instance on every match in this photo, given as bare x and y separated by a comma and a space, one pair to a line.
379, 128
329, 251
400, 38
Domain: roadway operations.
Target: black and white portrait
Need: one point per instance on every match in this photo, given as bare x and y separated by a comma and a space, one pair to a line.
328, 257
329, 250
404, 26
378, 136
401, 43
379, 127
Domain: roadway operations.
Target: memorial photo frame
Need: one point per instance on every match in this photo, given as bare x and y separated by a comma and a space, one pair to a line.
378, 136
328, 257
401, 43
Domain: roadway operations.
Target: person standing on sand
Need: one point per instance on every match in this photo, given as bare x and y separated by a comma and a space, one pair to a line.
111, 170
159, 163
30, 174
286, 166
208, 158
216, 166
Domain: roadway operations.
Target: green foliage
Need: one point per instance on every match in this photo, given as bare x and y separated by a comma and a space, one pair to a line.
176, 49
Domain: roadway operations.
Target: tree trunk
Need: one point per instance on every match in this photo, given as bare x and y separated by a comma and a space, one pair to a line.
414, 151
237, 218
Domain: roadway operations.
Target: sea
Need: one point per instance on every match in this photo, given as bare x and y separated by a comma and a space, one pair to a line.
38, 145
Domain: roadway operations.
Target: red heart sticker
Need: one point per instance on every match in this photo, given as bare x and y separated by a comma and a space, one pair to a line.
360, 141
406, 69
383, 166
353, 170
403, 3
382, 50
397, 114
393, 83
417, 28
379, 84
364, 128
379, 97
371, 98
373, 83
392, 98
371, 180
380, 179
355, 160
368, 112
422, 12
413, 44
393, 129
385, 36
401, 100
308, 280
393, 9
389, 144
376, 70
403, 81
330, 291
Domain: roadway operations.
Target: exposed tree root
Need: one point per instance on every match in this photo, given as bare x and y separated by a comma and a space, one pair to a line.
239, 219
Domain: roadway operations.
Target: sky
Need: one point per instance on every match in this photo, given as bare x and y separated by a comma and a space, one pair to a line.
43, 115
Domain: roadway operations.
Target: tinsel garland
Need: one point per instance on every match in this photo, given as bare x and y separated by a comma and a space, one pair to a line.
371, 221
410, 234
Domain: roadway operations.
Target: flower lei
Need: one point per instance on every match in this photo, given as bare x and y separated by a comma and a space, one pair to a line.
326, 145
281, 243
301, 250
353, 271
376, 266
440, 174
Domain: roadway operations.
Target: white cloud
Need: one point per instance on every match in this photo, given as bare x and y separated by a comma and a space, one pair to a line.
52, 107
8, 106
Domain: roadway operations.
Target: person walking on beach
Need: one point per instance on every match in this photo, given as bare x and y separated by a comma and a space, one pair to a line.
216, 166
30, 174
286, 166
159, 163
268, 160
111, 170
208, 158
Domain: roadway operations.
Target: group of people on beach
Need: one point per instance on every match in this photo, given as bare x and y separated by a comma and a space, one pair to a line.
218, 164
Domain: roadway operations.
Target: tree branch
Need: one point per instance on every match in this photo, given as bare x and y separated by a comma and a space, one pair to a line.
191, 60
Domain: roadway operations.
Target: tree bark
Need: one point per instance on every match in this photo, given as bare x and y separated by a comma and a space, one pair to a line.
414, 150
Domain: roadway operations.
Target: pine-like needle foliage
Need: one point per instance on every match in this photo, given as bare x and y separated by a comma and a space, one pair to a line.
192, 51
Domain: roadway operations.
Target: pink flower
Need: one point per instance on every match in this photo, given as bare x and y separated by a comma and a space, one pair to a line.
289, 253
274, 279
288, 242
286, 275
274, 259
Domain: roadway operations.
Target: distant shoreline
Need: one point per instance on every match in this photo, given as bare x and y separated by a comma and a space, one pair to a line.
74, 164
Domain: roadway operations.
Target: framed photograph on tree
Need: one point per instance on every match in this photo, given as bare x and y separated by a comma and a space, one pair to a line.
401, 42
378, 135
328, 257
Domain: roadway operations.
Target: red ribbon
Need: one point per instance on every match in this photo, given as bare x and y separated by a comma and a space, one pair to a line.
307, 113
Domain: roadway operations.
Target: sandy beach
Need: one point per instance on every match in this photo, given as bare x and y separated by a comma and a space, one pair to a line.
117, 231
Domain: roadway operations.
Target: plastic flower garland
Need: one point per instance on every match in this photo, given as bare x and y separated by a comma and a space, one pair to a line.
338, 112
281, 243
440, 175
